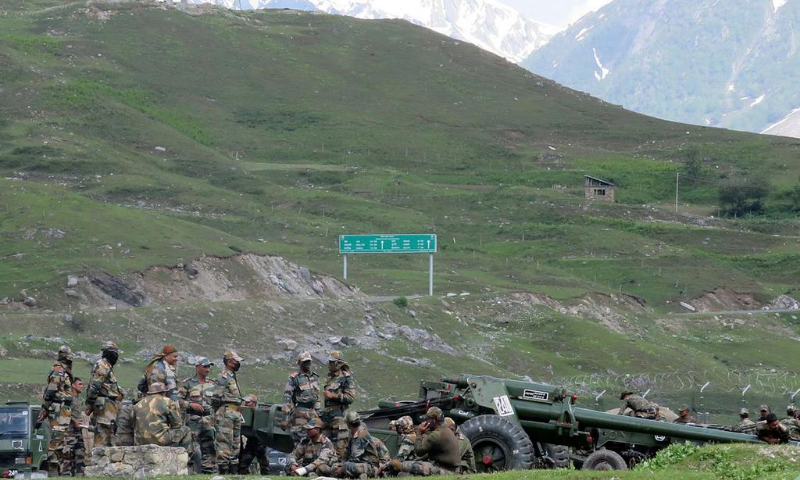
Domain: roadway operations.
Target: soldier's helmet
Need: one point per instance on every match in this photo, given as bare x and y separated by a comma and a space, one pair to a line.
111, 346
65, 353
683, 408
156, 387
450, 423
625, 394
304, 357
232, 355
764, 408
744, 411
352, 417
315, 422
336, 356
404, 424
791, 409
434, 413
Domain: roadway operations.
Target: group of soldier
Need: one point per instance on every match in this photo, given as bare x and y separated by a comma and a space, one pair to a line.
330, 438
768, 427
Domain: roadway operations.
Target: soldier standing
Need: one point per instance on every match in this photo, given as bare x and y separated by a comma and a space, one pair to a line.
252, 448
162, 369
437, 444
195, 397
301, 398
684, 416
74, 448
101, 401
124, 435
157, 421
56, 406
227, 400
339, 393
641, 407
314, 454
364, 454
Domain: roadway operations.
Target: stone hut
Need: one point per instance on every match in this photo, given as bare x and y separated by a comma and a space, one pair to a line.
597, 189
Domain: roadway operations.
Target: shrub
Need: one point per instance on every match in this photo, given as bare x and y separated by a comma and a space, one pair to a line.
401, 302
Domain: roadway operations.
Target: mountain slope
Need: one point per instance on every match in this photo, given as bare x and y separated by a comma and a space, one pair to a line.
732, 64
487, 24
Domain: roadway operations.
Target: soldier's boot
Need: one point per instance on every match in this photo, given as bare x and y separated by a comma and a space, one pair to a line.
222, 469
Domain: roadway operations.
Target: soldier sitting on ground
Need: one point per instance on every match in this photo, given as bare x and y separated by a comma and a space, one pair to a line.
436, 451
157, 421
364, 454
684, 416
314, 455
467, 464
771, 431
406, 437
252, 448
641, 407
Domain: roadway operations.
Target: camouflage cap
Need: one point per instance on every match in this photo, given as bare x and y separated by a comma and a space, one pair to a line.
232, 355
791, 409
683, 408
313, 423
203, 361
764, 408
435, 413
65, 353
744, 411
336, 356
304, 357
156, 387
250, 398
624, 394
109, 345
352, 417
404, 424
450, 422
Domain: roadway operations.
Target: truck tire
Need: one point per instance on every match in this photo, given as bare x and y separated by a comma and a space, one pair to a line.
559, 454
604, 460
498, 444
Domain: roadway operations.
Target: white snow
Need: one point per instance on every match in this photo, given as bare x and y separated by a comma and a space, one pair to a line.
708, 122
731, 88
777, 4
781, 121
582, 34
758, 100
603, 70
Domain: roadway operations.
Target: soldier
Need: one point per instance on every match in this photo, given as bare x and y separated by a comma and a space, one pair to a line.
301, 398
771, 431
364, 454
157, 421
641, 407
407, 437
104, 393
745, 425
764, 411
436, 444
467, 464
195, 401
74, 448
314, 454
227, 402
162, 368
339, 393
684, 416
791, 423
252, 448
124, 435
56, 406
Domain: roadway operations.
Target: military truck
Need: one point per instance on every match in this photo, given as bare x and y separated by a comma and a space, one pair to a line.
515, 425
23, 441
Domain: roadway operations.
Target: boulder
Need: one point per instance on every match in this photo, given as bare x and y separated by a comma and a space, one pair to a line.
142, 461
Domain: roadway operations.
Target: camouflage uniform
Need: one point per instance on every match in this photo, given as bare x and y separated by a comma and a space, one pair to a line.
74, 449
252, 448
57, 403
793, 427
343, 386
467, 464
162, 372
641, 407
364, 455
316, 456
439, 449
201, 424
301, 399
124, 435
745, 426
157, 421
227, 399
102, 399
765, 432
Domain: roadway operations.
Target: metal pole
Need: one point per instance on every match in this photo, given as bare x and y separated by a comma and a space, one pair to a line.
677, 175
430, 277
701, 413
345, 267
597, 400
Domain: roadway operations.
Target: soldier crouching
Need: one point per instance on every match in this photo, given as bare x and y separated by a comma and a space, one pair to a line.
364, 454
158, 422
436, 444
314, 455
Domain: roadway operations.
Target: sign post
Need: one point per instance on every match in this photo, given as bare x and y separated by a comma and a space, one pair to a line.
400, 243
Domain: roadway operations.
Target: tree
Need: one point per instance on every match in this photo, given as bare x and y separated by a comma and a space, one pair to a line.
740, 195
693, 163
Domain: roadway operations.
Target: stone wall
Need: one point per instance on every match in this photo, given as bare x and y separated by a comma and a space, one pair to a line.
142, 461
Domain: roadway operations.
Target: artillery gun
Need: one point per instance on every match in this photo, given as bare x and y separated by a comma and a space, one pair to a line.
515, 425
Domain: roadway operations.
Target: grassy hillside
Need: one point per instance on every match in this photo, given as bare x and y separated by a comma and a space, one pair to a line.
132, 136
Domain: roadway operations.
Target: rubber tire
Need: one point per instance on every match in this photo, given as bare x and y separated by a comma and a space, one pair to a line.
510, 435
604, 460
559, 454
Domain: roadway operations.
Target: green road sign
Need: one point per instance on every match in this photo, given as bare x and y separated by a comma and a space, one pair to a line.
402, 243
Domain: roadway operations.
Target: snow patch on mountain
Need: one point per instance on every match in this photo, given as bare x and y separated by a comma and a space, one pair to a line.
758, 100
777, 4
582, 34
603, 73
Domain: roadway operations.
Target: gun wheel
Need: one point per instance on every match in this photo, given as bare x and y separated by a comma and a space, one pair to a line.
498, 444
604, 460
